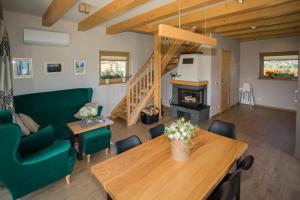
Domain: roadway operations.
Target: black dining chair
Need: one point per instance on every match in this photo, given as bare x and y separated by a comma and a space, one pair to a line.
229, 188
124, 145
127, 143
156, 131
223, 128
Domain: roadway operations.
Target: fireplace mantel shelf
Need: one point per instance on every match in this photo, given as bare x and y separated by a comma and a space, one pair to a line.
189, 83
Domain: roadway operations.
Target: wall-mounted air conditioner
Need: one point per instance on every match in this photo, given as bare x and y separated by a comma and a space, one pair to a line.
46, 37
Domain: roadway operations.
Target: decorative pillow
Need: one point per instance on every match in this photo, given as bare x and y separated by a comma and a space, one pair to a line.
29, 123
24, 129
92, 105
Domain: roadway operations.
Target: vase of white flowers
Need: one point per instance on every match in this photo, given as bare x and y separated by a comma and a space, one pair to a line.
180, 134
87, 114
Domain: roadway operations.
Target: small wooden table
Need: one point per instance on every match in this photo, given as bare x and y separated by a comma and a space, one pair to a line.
147, 172
78, 128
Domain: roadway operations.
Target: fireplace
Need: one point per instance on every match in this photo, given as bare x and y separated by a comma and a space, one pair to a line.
189, 101
191, 98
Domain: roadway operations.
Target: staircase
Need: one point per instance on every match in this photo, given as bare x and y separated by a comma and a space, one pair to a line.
140, 88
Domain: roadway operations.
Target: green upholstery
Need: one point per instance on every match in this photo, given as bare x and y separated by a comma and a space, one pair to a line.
5, 117
24, 174
96, 140
56, 108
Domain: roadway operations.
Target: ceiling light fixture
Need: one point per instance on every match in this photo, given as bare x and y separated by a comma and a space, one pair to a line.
240, 1
84, 8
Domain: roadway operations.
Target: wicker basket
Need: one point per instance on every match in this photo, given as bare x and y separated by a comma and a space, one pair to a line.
180, 151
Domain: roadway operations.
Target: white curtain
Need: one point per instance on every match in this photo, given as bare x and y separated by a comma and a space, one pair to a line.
6, 87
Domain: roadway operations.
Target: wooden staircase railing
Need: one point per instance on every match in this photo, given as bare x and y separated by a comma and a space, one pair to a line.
140, 89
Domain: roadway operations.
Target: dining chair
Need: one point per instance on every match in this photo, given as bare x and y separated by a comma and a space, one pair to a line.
127, 143
223, 128
229, 188
156, 131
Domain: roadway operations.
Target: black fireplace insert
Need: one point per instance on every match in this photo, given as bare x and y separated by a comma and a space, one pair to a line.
191, 98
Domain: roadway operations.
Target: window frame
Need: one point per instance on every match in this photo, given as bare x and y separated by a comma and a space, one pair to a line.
113, 53
282, 53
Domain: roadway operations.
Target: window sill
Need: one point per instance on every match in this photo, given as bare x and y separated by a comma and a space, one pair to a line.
278, 78
112, 81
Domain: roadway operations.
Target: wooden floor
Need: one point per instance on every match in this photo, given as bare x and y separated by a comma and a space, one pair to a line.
269, 133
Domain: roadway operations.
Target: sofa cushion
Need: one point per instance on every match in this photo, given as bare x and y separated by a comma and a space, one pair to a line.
29, 122
24, 129
96, 134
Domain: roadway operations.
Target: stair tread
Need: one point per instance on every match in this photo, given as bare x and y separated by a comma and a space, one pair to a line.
121, 114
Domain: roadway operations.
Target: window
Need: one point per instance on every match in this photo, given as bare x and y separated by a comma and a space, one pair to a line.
114, 67
279, 65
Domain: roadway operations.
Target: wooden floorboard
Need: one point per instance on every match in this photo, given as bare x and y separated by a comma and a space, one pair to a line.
269, 133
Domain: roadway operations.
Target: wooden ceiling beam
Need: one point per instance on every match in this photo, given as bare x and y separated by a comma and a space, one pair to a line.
111, 10
184, 35
259, 23
221, 10
267, 33
56, 10
260, 14
159, 13
271, 37
263, 29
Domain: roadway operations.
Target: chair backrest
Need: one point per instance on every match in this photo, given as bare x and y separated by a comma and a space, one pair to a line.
10, 136
55, 107
5, 117
156, 131
223, 128
127, 143
229, 187
247, 87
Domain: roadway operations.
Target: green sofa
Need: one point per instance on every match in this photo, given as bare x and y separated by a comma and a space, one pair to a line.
56, 108
31, 163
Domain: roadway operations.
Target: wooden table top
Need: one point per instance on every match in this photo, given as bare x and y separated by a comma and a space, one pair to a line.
147, 172
78, 128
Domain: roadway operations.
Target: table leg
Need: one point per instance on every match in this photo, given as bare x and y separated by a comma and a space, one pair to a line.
74, 139
80, 153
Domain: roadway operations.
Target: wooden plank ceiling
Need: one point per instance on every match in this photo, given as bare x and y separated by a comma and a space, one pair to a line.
250, 20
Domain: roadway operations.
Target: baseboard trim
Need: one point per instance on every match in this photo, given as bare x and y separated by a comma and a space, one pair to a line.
274, 108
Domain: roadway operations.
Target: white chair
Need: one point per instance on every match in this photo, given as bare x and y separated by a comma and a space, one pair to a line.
246, 94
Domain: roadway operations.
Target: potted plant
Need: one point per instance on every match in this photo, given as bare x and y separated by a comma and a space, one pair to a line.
87, 114
122, 76
180, 133
105, 76
174, 75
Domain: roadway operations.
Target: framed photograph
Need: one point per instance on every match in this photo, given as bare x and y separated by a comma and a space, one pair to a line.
53, 68
79, 66
22, 68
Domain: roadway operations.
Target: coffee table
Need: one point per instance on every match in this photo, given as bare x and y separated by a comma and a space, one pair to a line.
78, 128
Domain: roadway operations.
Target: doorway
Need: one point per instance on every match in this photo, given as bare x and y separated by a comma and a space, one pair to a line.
225, 80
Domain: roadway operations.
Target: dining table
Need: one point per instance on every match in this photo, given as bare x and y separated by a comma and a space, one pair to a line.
147, 172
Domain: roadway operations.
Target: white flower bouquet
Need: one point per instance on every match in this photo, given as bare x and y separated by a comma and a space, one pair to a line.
181, 130
181, 134
87, 113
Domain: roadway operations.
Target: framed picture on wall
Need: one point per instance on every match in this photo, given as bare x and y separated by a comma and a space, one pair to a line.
53, 67
79, 66
22, 68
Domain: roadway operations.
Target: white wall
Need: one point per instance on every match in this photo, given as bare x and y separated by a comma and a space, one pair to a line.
84, 45
214, 82
274, 93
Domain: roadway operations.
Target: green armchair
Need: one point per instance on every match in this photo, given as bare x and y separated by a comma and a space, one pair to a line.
25, 168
